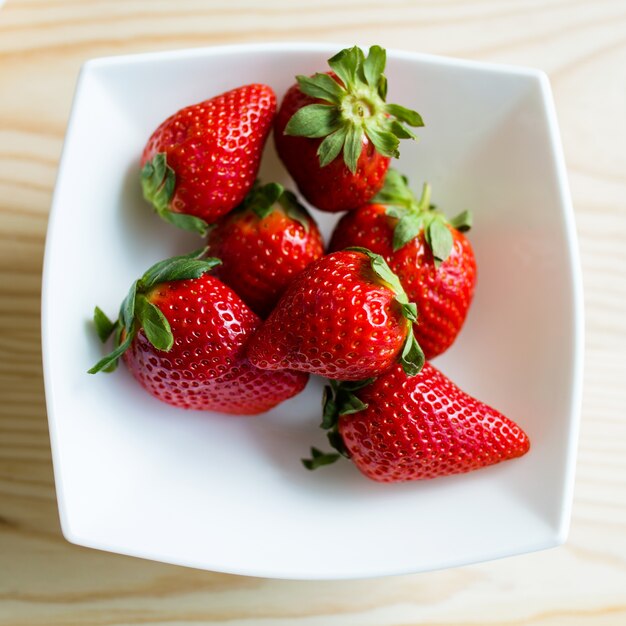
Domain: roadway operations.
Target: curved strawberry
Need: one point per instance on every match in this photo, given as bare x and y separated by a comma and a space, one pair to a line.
341, 112
263, 245
344, 317
398, 428
201, 162
182, 333
432, 258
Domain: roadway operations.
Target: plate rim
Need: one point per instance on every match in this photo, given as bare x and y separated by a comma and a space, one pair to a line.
574, 267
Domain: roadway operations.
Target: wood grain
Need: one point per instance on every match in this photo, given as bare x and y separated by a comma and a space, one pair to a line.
46, 581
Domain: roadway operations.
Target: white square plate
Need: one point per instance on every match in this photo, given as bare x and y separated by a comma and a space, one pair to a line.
138, 477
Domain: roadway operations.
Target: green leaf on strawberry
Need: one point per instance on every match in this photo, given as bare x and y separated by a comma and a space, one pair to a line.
412, 358
374, 65
396, 191
109, 362
408, 227
409, 310
339, 399
355, 109
331, 146
182, 267
315, 120
329, 406
127, 310
263, 199
154, 324
319, 458
419, 215
462, 222
439, 239
158, 182
104, 326
138, 312
321, 86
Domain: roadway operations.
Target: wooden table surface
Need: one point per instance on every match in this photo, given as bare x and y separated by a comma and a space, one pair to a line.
46, 581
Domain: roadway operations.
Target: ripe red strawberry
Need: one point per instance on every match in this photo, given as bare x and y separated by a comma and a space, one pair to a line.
399, 428
202, 161
182, 333
341, 111
263, 245
431, 256
344, 317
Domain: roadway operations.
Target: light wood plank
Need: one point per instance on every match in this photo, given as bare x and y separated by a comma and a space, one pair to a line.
46, 581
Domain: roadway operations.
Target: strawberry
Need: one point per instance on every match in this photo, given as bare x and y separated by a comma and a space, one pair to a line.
202, 161
263, 244
399, 428
432, 258
344, 317
182, 334
342, 111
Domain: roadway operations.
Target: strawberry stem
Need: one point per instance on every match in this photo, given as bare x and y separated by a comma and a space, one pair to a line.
416, 216
423, 204
353, 108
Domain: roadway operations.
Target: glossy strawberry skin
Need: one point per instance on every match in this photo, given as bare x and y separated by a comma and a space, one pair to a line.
215, 148
336, 319
421, 427
443, 295
261, 256
206, 369
332, 188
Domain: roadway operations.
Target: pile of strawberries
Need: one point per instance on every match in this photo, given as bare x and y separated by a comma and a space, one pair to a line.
239, 325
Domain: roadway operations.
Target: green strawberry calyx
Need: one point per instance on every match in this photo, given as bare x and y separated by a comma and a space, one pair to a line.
263, 199
412, 356
354, 107
419, 215
339, 399
137, 312
158, 181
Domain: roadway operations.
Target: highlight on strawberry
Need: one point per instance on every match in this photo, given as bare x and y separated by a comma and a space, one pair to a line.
345, 317
335, 132
430, 254
201, 161
398, 428
182, 334
263, 244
